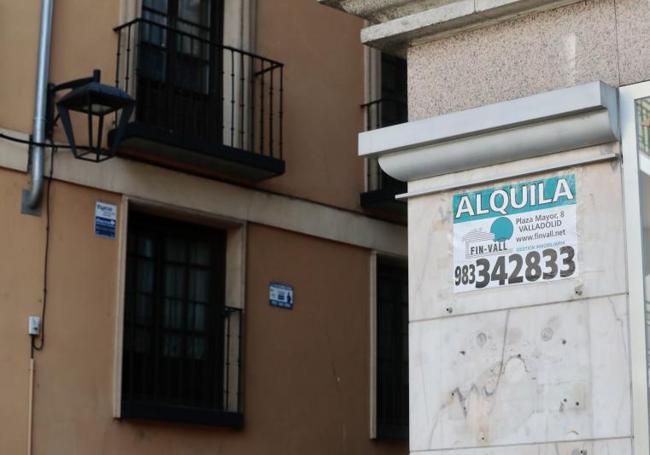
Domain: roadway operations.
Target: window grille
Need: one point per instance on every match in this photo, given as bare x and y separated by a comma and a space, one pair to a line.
392, 349
181, 342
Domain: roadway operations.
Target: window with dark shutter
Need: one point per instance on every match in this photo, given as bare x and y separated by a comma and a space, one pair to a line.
392, 349
179, 335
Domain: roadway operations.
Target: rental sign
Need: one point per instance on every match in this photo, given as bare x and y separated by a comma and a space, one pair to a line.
515, 234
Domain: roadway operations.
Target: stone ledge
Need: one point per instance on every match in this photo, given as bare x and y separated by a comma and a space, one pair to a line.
376, 11
399, 23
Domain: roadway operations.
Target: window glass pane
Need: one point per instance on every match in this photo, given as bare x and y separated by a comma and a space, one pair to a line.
153, 58
200, 253
393, 77
158, 5
194, 22
393, 90
155, 11
196, 317
173, 314
131, 242
142, 341
144, 308
145, 247
196, 347
172, 345
195, 11
144, 275
174, 249
404, 296
174, 281
199, 285
387, 289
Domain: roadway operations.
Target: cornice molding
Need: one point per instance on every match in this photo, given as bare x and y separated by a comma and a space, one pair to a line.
537, 125
376, 11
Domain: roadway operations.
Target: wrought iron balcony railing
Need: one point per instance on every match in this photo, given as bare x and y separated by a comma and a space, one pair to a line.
381, 188
385, 112
196, 94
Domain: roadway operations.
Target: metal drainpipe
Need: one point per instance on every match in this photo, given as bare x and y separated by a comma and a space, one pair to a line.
32, 196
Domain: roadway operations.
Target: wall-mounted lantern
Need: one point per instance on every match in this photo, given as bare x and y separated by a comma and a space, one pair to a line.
87, 96
96, 100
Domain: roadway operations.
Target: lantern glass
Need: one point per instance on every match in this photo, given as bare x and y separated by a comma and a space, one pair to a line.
95, 100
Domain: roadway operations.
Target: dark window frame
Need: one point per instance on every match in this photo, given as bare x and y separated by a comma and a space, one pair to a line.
394, 90
390, 108
182, 381
392, 407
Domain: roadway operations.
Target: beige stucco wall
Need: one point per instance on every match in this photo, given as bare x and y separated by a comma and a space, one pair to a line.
316, 402
309, 365
21, 263
82, 40
19, 34
323, 93
73, 378
588, 41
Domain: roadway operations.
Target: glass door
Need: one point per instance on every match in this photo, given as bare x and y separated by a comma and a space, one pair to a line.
634, 104
180, 67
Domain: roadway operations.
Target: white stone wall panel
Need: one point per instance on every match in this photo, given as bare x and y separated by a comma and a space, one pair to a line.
606, 447
555, 372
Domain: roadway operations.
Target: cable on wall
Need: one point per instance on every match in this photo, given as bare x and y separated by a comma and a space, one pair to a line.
32, 143
41, 344
34, 345
38, 346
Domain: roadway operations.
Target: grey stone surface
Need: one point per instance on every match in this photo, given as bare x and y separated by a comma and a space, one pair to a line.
466, 53
633, 18
536, 53
449, 19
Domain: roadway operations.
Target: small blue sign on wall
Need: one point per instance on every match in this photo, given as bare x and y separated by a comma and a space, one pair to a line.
105, 220
281, 295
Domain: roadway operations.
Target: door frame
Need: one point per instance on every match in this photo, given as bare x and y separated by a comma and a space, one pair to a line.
635, 264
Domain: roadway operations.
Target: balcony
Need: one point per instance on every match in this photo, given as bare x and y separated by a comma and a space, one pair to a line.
201, 107
381, 189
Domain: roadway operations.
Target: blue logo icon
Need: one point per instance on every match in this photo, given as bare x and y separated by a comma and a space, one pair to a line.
502, 229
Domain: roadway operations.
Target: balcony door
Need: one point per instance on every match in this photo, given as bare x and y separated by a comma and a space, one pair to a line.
180, 66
